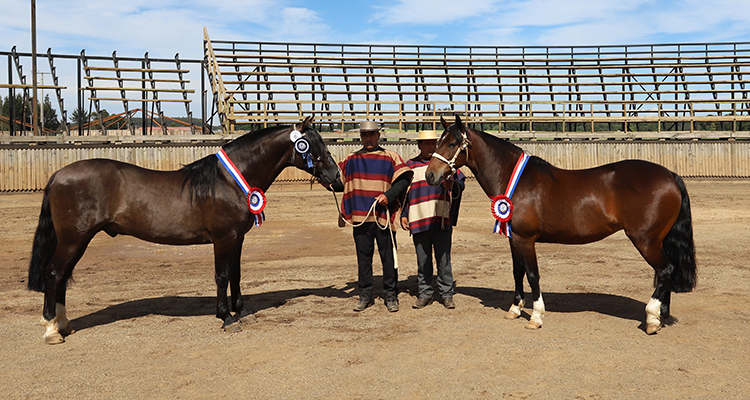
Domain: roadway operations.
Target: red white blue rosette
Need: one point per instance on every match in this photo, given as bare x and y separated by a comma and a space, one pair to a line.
256, 202
502, 208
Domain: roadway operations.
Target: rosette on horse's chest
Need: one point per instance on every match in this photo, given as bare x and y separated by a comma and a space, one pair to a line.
256, 200
502, 208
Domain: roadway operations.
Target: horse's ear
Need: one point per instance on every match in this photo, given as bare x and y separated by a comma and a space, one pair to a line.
445, 124
460, 124
305, 123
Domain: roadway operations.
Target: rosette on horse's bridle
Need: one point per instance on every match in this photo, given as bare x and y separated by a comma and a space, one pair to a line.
502, 207
301, 146
256, 199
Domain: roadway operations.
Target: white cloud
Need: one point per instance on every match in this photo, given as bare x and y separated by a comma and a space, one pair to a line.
433, 12
592, 22
163, 28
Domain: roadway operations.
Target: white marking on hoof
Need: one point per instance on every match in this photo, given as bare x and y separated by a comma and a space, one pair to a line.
653, 316
57, 327
63, 324
537, 314
514, 311
532, 325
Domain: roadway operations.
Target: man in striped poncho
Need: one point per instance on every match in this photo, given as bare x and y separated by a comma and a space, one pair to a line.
369, 175
429, 214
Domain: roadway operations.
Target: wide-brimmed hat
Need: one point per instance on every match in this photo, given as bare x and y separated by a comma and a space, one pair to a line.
368, 126
427, 135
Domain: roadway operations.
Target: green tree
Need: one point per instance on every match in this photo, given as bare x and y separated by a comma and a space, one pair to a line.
80, 117
50, 115
19, 111
22, 112
83, 117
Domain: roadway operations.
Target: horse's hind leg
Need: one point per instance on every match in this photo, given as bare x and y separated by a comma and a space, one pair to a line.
657, 309
57, 274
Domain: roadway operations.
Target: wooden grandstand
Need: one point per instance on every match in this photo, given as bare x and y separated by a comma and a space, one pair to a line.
654, 91
104, 80
137, 82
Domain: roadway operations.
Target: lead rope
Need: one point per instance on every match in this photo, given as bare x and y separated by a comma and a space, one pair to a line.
382, 228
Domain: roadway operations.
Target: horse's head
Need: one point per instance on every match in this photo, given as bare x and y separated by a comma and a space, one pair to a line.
451, 152
312, 155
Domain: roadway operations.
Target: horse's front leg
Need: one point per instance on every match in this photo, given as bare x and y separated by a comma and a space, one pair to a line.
235, 273
227, 253
519, 271
523, 250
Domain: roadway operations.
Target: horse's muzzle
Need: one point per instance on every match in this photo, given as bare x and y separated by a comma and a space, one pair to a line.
329, 175
432, 178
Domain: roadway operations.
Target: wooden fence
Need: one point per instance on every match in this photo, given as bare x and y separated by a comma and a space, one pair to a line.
24, 168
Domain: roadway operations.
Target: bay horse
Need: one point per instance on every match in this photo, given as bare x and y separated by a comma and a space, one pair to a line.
200, 203
553, 205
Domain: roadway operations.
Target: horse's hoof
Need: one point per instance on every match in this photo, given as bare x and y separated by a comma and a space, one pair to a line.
67, 331
55, 338
533, 325
652, 329
248, 319
233, 327
512, 314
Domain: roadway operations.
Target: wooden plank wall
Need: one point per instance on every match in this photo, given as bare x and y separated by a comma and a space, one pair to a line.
25, 168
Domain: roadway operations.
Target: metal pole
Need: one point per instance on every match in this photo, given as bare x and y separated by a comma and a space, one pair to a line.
143, 97
80, 100
203, 99
35, 117
11, 96
41, 105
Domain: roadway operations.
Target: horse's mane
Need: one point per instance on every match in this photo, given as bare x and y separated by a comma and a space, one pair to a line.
200, 176
538, 163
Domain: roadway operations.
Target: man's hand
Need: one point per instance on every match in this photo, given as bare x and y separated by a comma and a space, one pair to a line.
405, 223
382, 200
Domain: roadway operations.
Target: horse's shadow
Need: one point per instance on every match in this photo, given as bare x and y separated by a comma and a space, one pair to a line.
606, 304
179, 306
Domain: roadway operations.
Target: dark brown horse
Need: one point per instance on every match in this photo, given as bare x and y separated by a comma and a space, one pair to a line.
553, 205
200, 203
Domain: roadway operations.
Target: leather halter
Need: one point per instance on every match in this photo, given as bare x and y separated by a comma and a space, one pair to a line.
465, 144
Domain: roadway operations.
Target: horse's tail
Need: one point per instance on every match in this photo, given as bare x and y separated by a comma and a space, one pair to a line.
679, 246
45, 242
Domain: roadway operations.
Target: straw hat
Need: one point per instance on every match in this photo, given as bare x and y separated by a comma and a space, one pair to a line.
427, 135
368, 126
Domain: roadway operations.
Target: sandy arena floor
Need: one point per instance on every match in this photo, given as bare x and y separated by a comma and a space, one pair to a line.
144, 316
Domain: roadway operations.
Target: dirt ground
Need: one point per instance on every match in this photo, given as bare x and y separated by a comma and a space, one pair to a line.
145, 325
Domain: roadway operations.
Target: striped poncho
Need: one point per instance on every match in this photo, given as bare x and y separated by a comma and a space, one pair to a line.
366, 175
430, 207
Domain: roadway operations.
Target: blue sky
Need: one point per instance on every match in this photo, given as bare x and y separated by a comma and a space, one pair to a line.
163, 28
166, 27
